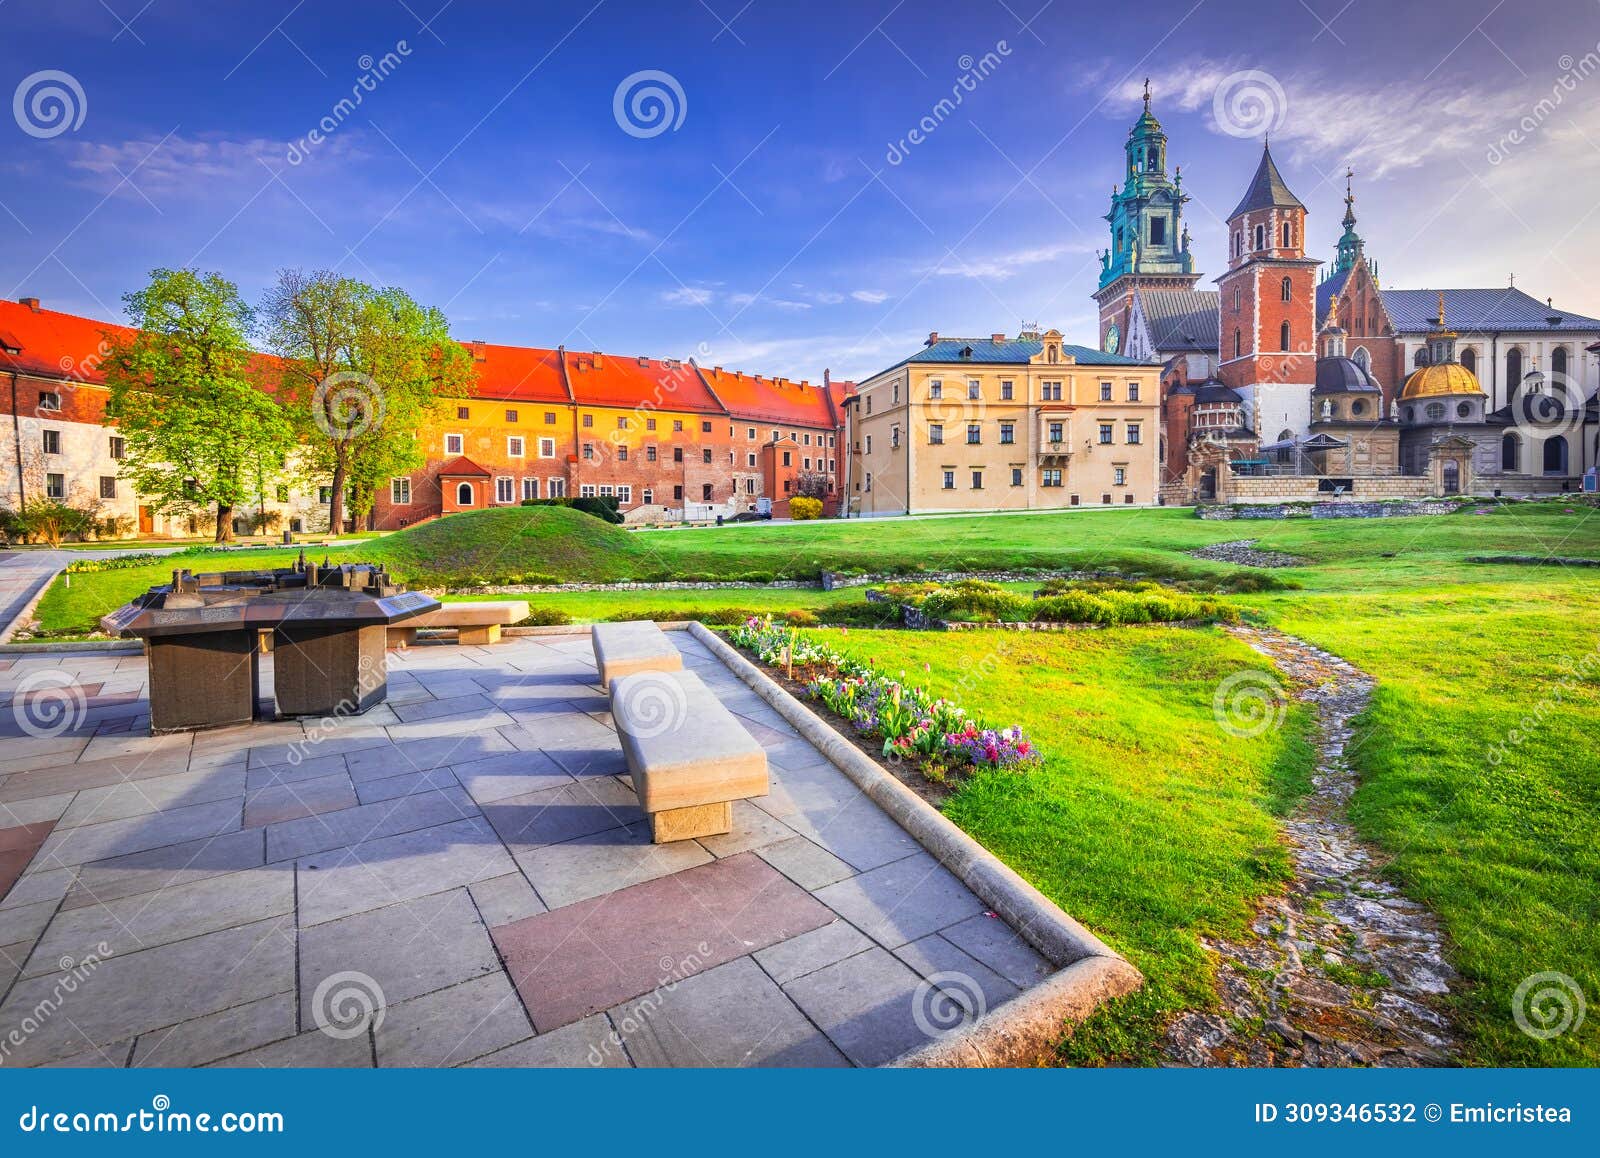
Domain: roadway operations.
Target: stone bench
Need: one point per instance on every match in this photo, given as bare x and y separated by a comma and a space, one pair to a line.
474, 623
624, 648
688, 756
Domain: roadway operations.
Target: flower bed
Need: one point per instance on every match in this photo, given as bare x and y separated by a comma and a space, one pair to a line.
1097, 603
912, 723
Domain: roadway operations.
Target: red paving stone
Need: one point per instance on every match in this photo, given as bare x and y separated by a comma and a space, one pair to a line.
17, 846
586, 957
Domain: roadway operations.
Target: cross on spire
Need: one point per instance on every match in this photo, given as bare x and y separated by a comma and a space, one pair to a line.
1146, 94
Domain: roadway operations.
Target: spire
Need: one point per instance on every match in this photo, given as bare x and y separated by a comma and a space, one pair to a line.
1146, 94
1332, 334
1349, 248
1268, 190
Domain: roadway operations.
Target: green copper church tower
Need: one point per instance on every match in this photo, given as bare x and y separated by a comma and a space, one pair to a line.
1149, 243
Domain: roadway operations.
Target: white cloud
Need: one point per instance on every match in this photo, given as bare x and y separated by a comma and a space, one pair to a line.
1000, 266
688, 296
871, 297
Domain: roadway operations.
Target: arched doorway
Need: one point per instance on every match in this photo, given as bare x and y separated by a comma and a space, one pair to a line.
1469, 359
464, 494
1555, 455
1510, 454
1513, 372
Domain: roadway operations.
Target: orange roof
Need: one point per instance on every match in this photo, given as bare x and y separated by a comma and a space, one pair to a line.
771, 399
52, 345
518, 373
613, 380
462, 467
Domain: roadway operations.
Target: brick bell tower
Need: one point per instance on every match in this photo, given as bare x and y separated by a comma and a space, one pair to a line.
1267, 337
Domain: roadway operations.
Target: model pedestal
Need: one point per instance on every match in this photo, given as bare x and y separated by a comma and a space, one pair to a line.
202, 681
326, 671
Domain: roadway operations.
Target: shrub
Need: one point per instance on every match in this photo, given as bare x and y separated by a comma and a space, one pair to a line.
600, 506
861, 614
801, 507
114, 563
716, 616
545, 617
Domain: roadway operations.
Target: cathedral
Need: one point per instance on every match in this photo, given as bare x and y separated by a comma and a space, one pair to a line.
1292, 380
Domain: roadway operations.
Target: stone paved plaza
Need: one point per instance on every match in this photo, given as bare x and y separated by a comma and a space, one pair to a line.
468, 859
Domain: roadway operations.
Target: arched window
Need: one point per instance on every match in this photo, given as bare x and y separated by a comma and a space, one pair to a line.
463, 494
1513, 371
1238, 244
1261, 237
1558, 366
1372, 320
1236, 343
1510, 453
1288, 237
1555, 455
1362, 358
1469, 359
1434, 411
1283, 336
1420, 358
1287, 290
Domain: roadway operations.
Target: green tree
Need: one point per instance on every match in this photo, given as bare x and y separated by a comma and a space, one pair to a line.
198, 426
365, 368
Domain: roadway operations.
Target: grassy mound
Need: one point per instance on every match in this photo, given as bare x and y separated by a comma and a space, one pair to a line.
512, 545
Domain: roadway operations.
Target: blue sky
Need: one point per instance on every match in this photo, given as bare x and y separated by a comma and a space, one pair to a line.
768, 227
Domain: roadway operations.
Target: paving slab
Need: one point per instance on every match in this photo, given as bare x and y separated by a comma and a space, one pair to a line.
391, 759
603, 862
903, 901
808, 865
406, 784
143, 797
296, 838
589, 956
752, 828
554, 815
812, 951
504, 899
452, 1026
510, 774
865, 1004
268, 775
972, 987
156, 869
731, 1016
311, 1050
40, 885
217, 1035
115, 838
990, 940
588, 1043
279, 802
22, 924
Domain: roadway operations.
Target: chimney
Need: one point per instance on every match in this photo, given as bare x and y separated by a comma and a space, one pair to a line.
643, 361
827, 380
31, 303
716, 371
594, 360
933, 337
997, 337
478, 354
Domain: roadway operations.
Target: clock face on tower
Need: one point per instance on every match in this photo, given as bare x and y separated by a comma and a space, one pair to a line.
1113, 338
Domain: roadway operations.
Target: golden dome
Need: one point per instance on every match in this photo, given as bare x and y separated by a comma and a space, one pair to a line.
1442, 378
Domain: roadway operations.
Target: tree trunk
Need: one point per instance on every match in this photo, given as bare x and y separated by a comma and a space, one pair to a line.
336, 500
224, 523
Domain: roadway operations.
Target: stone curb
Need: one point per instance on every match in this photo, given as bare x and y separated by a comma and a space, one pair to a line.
67, 646
1023, 1029
32, 605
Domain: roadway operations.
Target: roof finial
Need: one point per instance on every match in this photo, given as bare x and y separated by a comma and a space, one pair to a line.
1333, 312
1146, 94
1513, 280
1441, 309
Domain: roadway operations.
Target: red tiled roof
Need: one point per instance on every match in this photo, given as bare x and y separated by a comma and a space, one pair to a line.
518, 373
462, 467
613, 380
53, 345
770, 399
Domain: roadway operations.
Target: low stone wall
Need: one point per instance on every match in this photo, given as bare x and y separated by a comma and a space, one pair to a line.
1282, 488
1333, 509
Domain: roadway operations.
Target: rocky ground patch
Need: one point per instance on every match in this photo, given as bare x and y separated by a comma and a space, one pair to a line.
1243, 553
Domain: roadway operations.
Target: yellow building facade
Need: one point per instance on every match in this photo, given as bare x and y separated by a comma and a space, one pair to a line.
1004, 424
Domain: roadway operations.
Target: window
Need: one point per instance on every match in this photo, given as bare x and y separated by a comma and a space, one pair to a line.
1008, 433
1288, 240
977, 480
1007, 391
513, 448
935, 433
1074, 500
324, 494
452, 444
118, 448
894, 437
549, 418
677, 494
949, 480
935, 390
622, 423
805, 439
283, 494
788, 457
1158, 231
1513, 370
586, 490
588, 451
1261, 237
622, 454
1106, 499
547, 448
705, 492
1283, 336
556, 488
1558, 366
1236, 298
1050, 477
108, 486
511, 415
55, 486
974, 389
1016, 476
588, 420
464, 496
1435, 411
1105, 392
530, 489
49, 400
705, 428
1133, 391
869, 480
1510, 453
677, 425
607, 490
749, 486
805, 463
974, 434
647, 496
1287, 290
52, 442
750, 434
1469, 359
505, 489
1463, 410
463, 412
625, 495
677, 454
705, 455
1134, 434
400, 491
1057, 431
1105, 434
1050, 392
869, 444
649, 423
1119, 476
1238, 251
894, 394
750, 459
